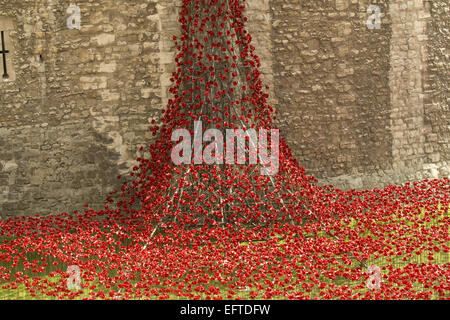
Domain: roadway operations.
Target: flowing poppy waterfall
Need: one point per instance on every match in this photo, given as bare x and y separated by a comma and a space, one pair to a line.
225, 231
217, 81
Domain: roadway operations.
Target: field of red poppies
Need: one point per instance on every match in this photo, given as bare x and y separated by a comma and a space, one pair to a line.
402, 230
225, 231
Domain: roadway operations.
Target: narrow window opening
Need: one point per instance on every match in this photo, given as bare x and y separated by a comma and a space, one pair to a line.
4, 52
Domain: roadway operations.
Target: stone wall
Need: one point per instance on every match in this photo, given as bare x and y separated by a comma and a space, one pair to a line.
418, 107
359, 107
331, 75
436, 86
80, 105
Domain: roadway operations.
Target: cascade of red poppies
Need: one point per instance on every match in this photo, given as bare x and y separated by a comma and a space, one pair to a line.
217, 81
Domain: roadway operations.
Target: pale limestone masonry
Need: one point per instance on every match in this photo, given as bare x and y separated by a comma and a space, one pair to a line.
408, 54
168, 26
360, 108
